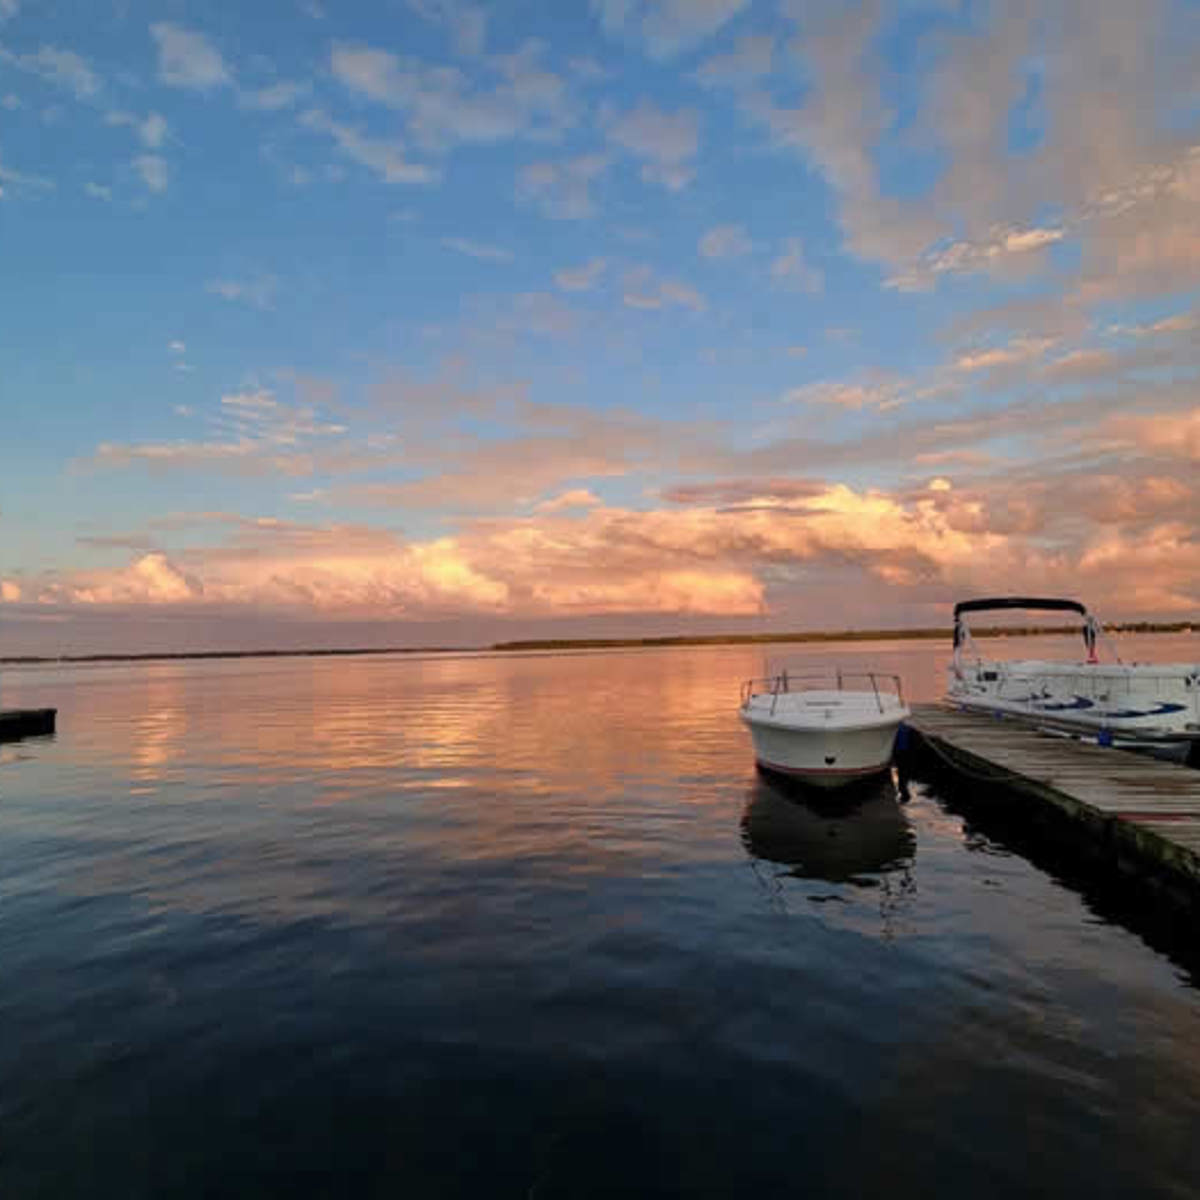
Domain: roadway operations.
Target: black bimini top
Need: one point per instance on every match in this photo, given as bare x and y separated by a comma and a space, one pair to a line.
966, 606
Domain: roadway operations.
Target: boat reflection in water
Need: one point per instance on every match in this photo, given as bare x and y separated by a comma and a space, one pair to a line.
865, 832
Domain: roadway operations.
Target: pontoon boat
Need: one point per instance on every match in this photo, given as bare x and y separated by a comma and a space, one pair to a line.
1139, 704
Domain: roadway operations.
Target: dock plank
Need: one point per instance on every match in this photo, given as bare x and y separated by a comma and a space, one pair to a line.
1146, 809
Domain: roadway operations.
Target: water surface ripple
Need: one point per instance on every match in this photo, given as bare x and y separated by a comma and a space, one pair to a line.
532, 926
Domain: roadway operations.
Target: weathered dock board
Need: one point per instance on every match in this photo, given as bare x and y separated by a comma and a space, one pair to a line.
26, 722
1143, 813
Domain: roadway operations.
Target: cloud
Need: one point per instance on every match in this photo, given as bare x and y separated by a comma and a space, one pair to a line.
1082, 364
241, 457
153, 170
386, 158
177, 347
581, 279
792, 268
642, 289
9, 9
479, 250
23, 180
1018, 351
188, 59
562, 190
752, 57
251, 433
1000, 247
874, 392
725, 241
1183, 322
97, 191
727, 546
1176, 435
575, 498
258, 292
274, 97
838, 127
726, 493
151, 130
63, 68
1103, 171
665, 141
666, 27
467, 23
444, 108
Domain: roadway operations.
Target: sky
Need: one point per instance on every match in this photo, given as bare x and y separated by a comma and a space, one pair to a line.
424, 322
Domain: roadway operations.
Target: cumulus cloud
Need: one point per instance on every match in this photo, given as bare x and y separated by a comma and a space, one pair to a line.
751, 58
275, 96
258, 292
574, 557
665, 141
466, 23
562, 190
23, 180
575, 498
187, 59
1176, 435
1183, 322
643, 289
153, 171
388, 159
1018, 351
666, 27
478, 250
445, 108
874, 392
793, 269
63, 68
725, 241
581, 279
998, 248
151, 130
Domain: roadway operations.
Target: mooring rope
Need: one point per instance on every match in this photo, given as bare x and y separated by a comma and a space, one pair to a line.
999, 774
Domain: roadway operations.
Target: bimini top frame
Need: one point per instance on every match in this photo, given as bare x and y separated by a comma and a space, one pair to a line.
1092, 629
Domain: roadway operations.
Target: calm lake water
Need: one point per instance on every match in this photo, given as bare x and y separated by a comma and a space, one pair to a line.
531, 926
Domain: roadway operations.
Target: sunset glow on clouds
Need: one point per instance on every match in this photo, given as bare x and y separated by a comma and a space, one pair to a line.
442, 321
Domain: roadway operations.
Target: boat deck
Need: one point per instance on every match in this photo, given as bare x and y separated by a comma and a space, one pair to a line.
1144, 812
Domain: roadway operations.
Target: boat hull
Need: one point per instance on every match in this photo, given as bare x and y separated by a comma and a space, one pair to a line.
823, 757
1146, 705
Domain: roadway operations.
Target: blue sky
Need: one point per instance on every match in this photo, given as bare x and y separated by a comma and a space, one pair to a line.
424, 320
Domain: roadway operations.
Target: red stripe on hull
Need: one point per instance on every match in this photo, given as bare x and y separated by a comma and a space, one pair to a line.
828, 772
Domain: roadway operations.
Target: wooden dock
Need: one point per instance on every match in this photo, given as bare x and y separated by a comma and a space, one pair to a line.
1140, 814
26, 722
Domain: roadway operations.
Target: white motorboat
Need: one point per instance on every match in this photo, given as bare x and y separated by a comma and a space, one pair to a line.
1134, 704
813, 728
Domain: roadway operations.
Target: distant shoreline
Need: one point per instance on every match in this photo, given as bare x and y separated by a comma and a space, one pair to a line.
528, 644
